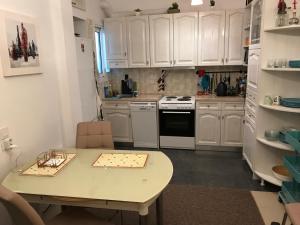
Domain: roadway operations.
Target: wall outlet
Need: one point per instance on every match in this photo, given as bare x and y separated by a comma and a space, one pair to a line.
4, 133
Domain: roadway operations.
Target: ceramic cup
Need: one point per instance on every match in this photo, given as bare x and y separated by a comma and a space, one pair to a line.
277, 100
268, 100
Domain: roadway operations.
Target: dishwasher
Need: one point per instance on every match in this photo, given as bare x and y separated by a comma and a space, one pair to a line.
144, 124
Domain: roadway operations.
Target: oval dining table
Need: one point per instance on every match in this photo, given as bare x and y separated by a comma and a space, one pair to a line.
81, 184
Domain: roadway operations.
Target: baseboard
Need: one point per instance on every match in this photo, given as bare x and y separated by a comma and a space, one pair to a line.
218, 148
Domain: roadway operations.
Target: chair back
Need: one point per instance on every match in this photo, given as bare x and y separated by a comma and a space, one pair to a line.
19, 210
94, 135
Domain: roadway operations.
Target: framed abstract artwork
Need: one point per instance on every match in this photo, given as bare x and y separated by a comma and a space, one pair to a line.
19, 45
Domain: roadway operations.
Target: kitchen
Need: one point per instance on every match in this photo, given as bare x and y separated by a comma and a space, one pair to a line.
199, 97
206, 75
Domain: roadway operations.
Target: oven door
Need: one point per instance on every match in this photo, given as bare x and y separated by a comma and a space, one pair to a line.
180, 123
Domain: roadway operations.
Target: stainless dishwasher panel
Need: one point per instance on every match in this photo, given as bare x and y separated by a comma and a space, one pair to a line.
144, 124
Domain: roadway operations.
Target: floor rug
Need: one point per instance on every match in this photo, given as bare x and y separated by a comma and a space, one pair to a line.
196, 205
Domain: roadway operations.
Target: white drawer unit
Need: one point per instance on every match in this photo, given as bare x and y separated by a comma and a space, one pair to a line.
250, 117
251, 95
209, 106
233, 106
249, 142
250, 107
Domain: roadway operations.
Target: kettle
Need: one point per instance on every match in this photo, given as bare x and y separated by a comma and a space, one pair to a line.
222, 89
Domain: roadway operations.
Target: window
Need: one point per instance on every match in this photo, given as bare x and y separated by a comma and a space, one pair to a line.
102, 65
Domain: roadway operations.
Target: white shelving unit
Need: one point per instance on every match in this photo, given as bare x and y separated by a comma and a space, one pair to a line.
281, 108
276, 43
282, 69
275, 144
270, 178
291, 28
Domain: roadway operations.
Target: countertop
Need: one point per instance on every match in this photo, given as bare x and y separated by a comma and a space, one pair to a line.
154, 97
214, 98
140, 98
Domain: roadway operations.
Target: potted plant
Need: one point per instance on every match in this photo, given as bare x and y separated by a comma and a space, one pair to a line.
174, 8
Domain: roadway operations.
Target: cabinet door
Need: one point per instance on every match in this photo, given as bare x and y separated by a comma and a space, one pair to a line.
249, 142
211, 38
120, 123
208, 126
253, 68
234, 51
161, 40
115, 38
232, 128
138, 41
185, 39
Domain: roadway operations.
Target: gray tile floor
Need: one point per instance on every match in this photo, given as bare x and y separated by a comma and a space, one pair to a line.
213, 169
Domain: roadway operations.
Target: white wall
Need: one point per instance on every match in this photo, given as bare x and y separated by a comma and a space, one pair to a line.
184, 5
85, 64
30, 104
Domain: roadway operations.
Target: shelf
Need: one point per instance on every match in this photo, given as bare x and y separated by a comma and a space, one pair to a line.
281, 69
281, 108
275, 144
284, 29
270, 179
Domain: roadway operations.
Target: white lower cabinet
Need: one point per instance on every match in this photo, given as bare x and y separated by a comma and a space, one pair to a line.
120, 122
232, 128
216, 126
208, 127
249, 142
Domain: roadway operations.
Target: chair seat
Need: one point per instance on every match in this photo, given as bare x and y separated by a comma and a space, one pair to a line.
77, 216
293, 211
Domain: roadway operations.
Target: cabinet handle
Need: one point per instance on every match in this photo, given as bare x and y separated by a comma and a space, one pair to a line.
125, 54
223, 60
171, 62
223, 117
174, 62
226, 60
147, 62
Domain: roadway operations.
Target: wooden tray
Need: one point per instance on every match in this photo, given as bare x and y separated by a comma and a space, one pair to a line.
121, 160
34, 170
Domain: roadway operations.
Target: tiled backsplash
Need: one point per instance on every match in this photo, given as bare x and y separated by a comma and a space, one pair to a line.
177, 82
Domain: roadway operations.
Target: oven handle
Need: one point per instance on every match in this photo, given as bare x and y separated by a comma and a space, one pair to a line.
171, 112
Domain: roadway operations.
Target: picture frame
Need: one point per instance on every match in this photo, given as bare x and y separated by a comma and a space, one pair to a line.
19, 45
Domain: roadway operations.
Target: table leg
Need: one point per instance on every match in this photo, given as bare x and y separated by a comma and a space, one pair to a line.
143, 220
159, 210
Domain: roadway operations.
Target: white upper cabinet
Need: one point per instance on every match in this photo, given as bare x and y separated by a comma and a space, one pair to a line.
161, 40
115, 38
185, 39
211, 38
138, 41
234, 52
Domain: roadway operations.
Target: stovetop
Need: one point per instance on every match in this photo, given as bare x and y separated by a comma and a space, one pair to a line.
177, 102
